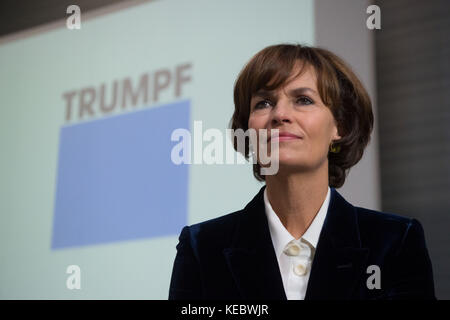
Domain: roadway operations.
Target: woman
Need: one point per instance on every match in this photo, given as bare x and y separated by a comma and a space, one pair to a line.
298, 238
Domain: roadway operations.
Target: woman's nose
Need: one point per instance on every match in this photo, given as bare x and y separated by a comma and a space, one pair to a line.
281, 112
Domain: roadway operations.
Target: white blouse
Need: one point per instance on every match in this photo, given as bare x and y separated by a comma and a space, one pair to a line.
295, 257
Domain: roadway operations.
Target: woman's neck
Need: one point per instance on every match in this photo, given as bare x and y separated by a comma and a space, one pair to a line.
296, 197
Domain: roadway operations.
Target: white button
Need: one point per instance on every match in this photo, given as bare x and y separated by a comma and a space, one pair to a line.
292, 249
299, 269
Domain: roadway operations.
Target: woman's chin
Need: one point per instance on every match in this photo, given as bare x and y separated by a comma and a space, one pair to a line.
292, 165
290, 160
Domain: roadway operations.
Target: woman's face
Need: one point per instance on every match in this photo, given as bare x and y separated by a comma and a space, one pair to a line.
296, 108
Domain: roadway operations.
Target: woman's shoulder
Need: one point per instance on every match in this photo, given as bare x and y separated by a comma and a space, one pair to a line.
221, 222
215, 229
387, 226
381, 218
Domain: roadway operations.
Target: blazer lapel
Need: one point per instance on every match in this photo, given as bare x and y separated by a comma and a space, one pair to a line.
339, 260
252, 258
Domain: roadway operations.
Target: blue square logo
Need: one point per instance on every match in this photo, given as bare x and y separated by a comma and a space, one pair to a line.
116, 180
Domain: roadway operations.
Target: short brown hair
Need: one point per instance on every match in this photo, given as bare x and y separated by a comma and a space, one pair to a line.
339, 88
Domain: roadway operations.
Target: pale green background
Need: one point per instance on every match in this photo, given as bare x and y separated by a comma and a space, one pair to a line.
218, 37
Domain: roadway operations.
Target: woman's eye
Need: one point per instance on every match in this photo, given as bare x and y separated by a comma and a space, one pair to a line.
304, 100
262, 104
267, 103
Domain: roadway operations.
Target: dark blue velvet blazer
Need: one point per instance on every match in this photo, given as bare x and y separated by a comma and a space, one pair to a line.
232, 257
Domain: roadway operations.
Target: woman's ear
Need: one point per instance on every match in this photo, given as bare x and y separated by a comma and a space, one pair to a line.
335, 135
